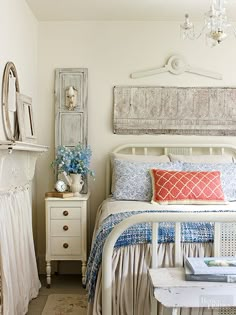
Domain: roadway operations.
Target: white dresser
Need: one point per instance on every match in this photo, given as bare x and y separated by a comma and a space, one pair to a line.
66, 231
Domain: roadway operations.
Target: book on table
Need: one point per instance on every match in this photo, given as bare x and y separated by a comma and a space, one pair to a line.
212, 265
189, 276
57, 194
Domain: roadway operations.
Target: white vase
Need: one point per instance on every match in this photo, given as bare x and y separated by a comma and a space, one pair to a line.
76, 184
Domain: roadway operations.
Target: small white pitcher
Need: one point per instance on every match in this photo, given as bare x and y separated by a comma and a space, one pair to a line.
75, 182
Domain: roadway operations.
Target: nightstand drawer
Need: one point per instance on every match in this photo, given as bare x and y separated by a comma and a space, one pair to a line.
65, 246
65, 213
65, 228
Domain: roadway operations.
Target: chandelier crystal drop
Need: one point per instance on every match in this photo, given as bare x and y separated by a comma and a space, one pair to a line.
216, 26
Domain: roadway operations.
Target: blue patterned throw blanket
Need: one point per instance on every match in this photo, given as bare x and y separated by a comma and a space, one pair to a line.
196, 232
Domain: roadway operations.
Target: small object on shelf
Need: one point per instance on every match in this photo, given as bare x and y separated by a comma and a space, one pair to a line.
212, 265
10, 118
189, 276
58, 194
60, 186
25, 118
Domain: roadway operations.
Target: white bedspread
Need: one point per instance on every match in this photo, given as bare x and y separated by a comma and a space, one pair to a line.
112, 206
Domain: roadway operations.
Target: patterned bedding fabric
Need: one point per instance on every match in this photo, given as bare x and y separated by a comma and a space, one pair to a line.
137, 234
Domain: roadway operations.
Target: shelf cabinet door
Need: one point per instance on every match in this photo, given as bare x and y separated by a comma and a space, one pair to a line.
71, 121
71, 114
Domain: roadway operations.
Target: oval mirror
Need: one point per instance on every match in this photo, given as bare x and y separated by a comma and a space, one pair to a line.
10, 85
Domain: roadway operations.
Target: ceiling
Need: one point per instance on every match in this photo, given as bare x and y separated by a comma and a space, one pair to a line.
120, 10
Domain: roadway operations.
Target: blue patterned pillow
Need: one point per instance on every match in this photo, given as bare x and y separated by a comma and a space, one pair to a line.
132, 180
228, 175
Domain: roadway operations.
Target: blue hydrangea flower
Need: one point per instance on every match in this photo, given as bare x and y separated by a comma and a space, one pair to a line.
74, 160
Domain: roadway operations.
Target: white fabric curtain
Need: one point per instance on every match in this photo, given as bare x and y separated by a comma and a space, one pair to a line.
20, 282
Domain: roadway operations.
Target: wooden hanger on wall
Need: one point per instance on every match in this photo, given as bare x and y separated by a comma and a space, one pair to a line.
176, 65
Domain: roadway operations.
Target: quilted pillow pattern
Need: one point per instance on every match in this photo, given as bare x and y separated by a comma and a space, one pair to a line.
132, 180
228, 175
136, 158
171, 187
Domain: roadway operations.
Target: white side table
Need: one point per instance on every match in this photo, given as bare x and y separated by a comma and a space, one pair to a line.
171, 290
66, 231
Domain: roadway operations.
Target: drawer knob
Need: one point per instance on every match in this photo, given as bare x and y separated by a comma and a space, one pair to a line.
65, 227
65, 213
65, 245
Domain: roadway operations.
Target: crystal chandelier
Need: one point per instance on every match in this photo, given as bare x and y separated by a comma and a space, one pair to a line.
216, 26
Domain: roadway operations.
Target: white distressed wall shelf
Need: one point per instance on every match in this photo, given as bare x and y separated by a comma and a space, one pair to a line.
17, 163
22, 146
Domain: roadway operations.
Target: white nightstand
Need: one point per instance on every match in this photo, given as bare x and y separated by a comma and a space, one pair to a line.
66, 231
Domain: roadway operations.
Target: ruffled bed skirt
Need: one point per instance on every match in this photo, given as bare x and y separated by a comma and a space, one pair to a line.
131, 291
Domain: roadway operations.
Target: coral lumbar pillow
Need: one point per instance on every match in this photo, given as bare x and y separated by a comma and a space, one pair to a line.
178, 187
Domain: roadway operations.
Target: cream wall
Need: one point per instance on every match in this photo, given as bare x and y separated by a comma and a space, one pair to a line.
19, 44
111, 51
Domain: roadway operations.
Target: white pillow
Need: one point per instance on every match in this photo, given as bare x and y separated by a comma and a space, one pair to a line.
224, 158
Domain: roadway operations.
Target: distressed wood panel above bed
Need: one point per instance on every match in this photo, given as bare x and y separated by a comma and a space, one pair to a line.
175, 110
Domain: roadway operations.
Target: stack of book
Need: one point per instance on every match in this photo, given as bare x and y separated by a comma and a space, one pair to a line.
216, 269
57, 194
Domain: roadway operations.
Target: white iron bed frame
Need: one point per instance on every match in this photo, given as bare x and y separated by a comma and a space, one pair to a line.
224, 231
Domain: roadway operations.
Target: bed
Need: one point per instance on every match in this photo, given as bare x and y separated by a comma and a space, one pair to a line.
132, 253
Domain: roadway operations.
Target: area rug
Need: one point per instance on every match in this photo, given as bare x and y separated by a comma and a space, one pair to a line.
66, 304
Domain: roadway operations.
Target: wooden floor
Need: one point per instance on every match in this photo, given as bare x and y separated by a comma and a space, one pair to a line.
61, 284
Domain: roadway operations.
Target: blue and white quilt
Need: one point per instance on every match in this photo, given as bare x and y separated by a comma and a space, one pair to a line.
137, 234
